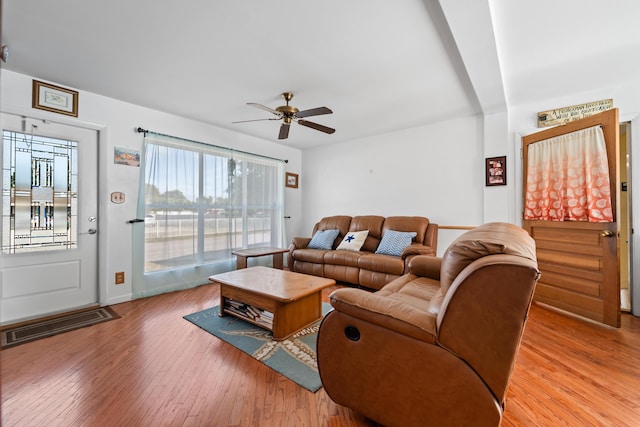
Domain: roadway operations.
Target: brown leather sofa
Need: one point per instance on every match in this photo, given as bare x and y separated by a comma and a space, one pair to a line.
437, 346
364, 267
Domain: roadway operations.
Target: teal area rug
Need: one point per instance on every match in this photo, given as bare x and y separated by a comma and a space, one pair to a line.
295, 357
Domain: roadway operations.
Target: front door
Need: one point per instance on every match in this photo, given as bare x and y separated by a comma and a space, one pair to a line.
579, 259
48, 258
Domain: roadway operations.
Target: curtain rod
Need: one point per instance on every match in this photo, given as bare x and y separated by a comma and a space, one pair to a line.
146, 131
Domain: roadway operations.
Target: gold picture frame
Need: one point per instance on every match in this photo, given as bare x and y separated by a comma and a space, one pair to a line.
53, 98
291, 180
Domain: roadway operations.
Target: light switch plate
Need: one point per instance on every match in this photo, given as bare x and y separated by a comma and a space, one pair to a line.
117, 197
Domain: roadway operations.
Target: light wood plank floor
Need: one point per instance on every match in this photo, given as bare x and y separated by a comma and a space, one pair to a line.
153, 368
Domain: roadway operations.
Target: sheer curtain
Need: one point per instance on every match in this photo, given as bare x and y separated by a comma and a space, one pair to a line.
200, 202
568, 178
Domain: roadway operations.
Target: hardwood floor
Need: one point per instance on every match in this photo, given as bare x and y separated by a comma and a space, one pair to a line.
153, 368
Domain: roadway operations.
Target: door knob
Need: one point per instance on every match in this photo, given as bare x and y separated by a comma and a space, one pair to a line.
92, 231
607, 233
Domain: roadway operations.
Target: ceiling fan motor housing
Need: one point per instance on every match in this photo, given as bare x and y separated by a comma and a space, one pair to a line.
287, 110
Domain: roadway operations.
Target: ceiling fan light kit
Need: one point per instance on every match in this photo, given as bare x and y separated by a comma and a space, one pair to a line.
288, 113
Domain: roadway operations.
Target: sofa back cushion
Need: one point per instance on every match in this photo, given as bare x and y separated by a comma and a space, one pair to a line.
488, 239
418, 224
336, 222
373, 223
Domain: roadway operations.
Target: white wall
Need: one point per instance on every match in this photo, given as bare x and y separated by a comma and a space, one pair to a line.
435, 171
116, 121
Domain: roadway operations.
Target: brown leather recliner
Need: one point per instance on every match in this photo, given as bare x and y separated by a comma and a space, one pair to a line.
437, 346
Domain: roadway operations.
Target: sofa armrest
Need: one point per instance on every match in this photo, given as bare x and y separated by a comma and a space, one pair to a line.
417, 249
388, 313
296, 243
426, 266
299, 243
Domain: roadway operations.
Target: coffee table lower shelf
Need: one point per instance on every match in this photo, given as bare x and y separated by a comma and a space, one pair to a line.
288, 316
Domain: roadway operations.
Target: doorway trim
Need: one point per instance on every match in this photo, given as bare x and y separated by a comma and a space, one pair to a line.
634, 243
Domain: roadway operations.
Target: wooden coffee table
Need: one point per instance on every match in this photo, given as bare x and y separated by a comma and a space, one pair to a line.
278, 300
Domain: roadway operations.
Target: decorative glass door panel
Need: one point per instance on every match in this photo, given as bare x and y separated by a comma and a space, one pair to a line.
39, 194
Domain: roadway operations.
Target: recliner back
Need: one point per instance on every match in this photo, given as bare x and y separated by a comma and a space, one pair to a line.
488, 239
487, 278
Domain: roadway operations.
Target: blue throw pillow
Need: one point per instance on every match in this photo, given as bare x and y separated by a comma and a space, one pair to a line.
323, 239
394, 242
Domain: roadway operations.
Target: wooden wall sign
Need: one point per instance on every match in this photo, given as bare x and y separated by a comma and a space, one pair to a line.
559, 116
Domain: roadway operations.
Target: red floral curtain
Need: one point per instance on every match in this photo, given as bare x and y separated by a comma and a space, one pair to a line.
568, 178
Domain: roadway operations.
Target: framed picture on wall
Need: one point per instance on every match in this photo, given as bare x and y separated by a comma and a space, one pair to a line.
291, 180
496, 171
57, 99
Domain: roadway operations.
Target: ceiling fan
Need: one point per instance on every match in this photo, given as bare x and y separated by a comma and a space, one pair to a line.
289, 113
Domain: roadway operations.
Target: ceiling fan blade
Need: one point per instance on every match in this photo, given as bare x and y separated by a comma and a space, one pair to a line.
314, 112
284, 131
256, 120
264, 107
316, 126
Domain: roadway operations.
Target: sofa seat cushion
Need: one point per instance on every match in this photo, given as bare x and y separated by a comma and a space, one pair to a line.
348, 258
310, 255
382, 263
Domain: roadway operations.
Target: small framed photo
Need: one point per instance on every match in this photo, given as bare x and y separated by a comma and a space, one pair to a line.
125, 156
496, 171
57, 99
291, 180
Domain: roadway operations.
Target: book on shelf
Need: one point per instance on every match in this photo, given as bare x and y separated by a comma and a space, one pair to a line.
234, 304
248, 311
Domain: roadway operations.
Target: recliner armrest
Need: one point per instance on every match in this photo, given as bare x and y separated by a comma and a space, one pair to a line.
426, 266
385, 312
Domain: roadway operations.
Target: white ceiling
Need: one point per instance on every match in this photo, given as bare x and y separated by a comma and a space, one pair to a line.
379, 65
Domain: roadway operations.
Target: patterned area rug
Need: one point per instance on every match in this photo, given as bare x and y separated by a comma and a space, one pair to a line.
295, 357
50, 327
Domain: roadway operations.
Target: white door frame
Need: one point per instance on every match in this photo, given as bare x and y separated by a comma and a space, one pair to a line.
634, 241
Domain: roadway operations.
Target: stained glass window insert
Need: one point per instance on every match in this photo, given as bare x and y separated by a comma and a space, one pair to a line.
39, 193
